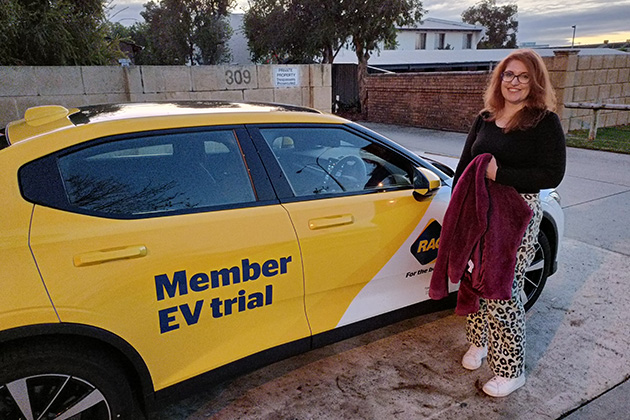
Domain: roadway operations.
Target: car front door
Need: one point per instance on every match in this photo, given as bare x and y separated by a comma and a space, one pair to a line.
172, 242
368, 246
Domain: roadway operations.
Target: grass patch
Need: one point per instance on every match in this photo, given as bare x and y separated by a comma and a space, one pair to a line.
611, 139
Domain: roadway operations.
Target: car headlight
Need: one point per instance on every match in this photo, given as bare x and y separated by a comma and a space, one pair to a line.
556, 196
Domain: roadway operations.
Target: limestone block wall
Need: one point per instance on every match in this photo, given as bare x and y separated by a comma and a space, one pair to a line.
598, 79
23, 87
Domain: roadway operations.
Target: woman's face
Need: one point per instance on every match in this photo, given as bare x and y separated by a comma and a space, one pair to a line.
515, 91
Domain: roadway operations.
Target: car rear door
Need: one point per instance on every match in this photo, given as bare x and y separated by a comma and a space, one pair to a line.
171, 241
368, 246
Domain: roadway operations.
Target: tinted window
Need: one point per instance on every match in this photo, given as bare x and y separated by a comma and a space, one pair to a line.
4, 142
163, 173
333, 160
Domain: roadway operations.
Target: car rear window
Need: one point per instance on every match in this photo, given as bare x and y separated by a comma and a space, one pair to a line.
4, 141
146, 176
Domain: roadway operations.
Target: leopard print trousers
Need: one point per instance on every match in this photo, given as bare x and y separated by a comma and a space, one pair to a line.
501, 323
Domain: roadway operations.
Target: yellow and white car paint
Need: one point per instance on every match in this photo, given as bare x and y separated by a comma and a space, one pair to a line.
402, 280
193, 292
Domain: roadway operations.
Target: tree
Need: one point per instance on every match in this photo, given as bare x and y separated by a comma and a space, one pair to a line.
9, 22
294, 31
372, 22
303, 30
54, 32
330, 32
500, 22
265, 25
186, 31
130, 40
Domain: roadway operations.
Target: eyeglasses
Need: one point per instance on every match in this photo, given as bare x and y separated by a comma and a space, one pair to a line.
508, 76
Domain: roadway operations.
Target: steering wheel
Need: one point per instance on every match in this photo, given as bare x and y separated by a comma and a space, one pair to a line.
349, 172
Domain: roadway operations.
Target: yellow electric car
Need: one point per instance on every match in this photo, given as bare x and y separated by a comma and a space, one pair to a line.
145, 246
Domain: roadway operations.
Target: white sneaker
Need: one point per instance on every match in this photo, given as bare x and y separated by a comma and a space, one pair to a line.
501, 387
474, 356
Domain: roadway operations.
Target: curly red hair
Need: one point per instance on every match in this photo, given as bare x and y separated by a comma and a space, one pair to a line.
541, 98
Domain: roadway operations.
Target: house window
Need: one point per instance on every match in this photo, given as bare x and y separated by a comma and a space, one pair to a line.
467, 41
440, 41
421, 41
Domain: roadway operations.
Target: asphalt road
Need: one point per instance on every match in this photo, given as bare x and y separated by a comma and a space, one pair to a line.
577, 333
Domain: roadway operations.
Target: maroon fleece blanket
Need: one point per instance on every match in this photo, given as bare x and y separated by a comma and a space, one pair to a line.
481, 232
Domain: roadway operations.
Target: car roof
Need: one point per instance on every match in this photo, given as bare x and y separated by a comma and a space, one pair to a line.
96, 113
50, 118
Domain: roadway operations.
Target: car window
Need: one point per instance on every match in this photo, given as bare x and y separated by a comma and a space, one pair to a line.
4, 141
160, 173
320, 161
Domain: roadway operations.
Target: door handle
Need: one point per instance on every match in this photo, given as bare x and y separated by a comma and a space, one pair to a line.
111, 254
330, 221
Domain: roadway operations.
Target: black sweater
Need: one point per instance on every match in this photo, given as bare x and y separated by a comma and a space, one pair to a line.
528, 160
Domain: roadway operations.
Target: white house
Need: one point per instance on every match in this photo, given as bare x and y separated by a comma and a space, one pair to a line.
439, 34
430, 34
238, 41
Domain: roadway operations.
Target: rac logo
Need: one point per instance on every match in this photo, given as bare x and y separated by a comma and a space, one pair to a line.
425, 248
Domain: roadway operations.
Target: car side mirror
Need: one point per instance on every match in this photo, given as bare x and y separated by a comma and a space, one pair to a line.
425, 183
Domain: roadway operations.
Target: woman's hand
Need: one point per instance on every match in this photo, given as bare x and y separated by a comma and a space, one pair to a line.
491, 171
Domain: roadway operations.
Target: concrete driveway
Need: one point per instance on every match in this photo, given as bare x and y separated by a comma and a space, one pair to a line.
577, 333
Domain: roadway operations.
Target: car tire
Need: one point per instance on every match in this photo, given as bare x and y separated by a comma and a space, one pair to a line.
61, 380
537, 273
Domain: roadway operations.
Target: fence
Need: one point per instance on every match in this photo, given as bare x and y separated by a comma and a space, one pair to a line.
596, 108
23, 87
444, 101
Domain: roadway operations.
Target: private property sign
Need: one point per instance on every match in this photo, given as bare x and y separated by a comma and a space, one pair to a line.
286, 76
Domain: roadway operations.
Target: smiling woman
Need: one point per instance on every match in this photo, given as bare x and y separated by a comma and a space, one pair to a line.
516, 143
515, 86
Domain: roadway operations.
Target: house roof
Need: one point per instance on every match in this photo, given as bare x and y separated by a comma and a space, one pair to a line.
432, 24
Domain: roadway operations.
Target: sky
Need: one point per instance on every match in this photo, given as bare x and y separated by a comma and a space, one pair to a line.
545, 22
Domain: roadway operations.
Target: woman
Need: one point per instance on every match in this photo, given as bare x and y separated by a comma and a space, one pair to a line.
526, 141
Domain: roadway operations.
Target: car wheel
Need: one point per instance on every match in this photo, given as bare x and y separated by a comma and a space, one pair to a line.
537, 273
59, 381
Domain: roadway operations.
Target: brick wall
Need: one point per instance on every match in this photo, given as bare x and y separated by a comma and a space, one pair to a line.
451, 100
441, 101
23, 87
